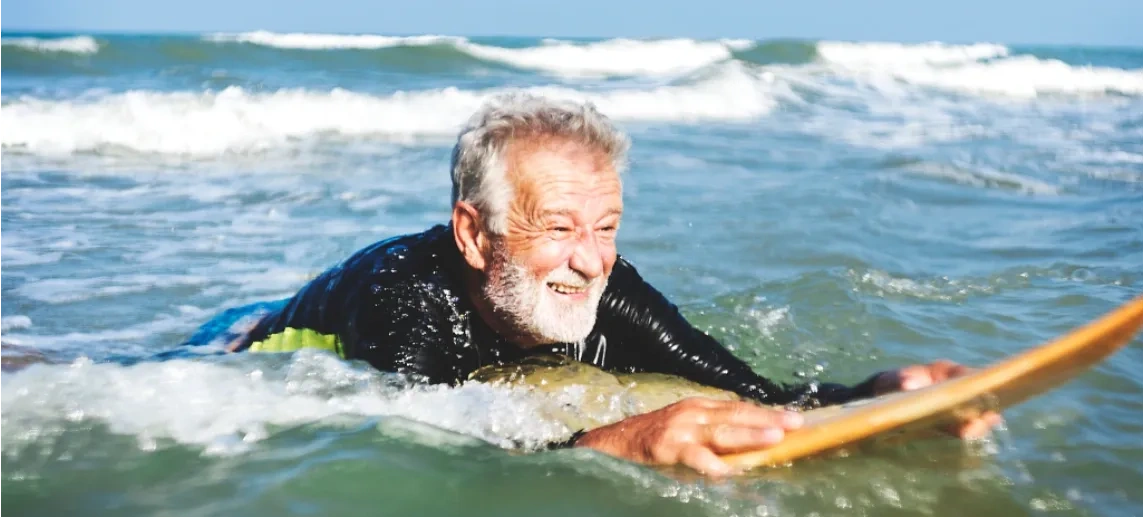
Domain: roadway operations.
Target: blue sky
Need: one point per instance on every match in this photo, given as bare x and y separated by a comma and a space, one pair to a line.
1097, 22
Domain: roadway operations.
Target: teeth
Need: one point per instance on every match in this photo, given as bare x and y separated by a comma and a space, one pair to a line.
565, 289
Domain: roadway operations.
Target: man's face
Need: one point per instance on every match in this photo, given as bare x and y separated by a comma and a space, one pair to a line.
547, 273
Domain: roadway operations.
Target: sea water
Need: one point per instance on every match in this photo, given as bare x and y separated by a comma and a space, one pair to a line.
826, 209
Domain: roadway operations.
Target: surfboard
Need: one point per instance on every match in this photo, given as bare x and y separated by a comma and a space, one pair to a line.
582, 396
999, 386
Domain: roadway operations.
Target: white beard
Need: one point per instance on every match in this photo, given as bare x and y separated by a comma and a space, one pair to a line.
530, 306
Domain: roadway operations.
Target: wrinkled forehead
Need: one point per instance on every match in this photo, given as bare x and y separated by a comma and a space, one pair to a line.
552, 169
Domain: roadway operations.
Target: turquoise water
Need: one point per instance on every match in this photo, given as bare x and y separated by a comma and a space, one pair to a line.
826, 209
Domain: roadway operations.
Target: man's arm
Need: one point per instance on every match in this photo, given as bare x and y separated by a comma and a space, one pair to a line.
695, 432
657, 338
402, 329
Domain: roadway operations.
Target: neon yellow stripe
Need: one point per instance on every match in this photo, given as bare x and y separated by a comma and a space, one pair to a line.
292, 339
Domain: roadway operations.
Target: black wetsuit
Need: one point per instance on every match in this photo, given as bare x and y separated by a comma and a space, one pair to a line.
400, 305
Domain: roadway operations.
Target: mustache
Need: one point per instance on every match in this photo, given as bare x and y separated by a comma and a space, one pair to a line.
570, 277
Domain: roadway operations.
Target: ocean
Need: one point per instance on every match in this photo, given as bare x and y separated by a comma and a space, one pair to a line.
826, 209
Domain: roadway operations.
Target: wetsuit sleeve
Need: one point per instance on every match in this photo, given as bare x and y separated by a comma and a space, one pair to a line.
657, 338
400, 329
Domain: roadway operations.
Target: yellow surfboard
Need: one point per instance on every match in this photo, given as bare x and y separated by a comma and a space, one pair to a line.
996, 387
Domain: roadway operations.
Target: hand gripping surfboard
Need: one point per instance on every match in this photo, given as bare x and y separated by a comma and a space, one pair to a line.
996, 387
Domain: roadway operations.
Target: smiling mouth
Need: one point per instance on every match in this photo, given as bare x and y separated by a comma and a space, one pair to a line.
565, 289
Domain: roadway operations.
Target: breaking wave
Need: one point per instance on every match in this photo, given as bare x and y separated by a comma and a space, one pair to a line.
74, 44
238, 120
614, 57
225, 409
617, 57
311, 41
980, 68
877, 55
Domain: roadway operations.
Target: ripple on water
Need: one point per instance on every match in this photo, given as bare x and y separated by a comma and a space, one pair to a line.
982, 177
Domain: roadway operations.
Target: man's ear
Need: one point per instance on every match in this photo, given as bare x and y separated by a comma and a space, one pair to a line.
472, 240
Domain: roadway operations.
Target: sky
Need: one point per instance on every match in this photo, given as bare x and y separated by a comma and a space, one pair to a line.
1057, 22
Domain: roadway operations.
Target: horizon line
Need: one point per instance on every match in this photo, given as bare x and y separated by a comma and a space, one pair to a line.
195, 32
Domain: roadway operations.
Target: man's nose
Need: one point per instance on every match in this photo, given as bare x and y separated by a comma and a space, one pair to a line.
586, 259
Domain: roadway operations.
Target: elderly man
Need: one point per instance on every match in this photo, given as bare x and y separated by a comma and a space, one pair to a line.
528, 265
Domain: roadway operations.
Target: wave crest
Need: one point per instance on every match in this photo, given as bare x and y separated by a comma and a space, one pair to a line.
616, 57
74, 44
1027, 76
876, 55
980, 68
236, 120
314, 41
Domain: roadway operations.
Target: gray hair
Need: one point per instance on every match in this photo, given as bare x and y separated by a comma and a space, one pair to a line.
478, 165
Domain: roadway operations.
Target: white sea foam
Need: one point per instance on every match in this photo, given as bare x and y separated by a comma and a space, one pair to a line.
601, 58
45, 246
1027, 76
17, 257
1107, 157
943, 289
235, 120
768, 320
617, 57
129, 339
74, 44
890, 55
15, 322
979, 68
312, 41
61, 291
883, 283
226, 408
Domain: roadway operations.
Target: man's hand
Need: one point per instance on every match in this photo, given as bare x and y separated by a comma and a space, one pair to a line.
918, 376
693, 432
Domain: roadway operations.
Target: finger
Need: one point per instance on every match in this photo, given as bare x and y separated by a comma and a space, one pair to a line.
705, 461
975, 429
942, 370
743, 414
987, 422
730, 438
